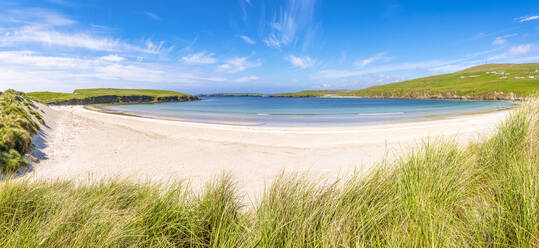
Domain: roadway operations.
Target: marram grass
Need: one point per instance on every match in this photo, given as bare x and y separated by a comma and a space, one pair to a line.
17, 125
440, 195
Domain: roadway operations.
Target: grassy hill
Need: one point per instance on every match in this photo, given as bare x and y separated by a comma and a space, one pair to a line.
106, 95
485, 82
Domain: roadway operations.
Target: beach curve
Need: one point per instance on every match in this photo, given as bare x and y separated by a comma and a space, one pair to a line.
86, 145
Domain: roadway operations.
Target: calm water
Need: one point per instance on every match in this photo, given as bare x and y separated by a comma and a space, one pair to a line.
269, 111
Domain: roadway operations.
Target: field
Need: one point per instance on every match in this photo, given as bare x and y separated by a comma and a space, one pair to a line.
83, 94
485, 82
439, 195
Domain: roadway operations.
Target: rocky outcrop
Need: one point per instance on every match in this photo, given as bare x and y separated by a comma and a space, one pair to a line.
112, 99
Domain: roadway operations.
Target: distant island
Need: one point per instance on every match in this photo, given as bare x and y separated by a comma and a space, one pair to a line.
232, 94
485, 82
312, 93
111, 96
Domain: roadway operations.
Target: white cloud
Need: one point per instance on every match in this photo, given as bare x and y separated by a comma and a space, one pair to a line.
421, 66
31, 71
372, 59
499, 41
245, 79
152, 15
301, 62
237, 64
200, 58
113, 58
42, 27
247, 39
502, 40
287, 22
527, 18
521, 49
39, 50
35, 16
101, 68
272, 41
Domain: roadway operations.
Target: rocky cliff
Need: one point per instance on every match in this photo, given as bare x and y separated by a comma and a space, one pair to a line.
113, 99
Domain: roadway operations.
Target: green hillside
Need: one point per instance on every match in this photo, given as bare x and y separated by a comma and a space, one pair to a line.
493, 81
107, 95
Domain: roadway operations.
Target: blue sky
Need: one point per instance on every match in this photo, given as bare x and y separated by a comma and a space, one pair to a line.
198, 46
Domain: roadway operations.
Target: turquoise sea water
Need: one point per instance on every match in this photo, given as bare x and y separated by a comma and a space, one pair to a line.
270, 111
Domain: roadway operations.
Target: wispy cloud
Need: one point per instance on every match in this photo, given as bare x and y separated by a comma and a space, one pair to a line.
245, 79
527, 18
502, 40
247, 39
499, 41
289, 21
243, 5
423, 66
372, 59
152, 15
61, 2
113, 58
301, 62
200, 58
238, 64
45, 50
35, 16
49, 28
520, 50
30, 70
98, 68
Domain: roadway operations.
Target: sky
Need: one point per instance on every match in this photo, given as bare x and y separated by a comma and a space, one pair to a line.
198, 46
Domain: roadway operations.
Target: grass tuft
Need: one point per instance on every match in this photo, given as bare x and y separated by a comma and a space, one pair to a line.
16, 129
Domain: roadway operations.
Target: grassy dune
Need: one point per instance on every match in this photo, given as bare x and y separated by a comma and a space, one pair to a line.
440, 195
87, 94
19, 120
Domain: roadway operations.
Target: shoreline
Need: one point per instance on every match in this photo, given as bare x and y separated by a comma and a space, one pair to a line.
458, 99
86, 145
101, 109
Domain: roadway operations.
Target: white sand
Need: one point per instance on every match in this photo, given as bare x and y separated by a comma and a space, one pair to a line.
81, 144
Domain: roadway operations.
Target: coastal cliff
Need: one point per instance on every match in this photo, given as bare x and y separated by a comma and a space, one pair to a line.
112, 99
111, 96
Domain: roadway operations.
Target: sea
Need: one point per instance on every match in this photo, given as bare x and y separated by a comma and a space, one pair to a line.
274, 111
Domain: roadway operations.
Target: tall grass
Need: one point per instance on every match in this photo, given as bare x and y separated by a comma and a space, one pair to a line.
439, 195
16, 128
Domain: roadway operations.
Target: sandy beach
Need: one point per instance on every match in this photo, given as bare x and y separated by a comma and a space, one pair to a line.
86, 145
